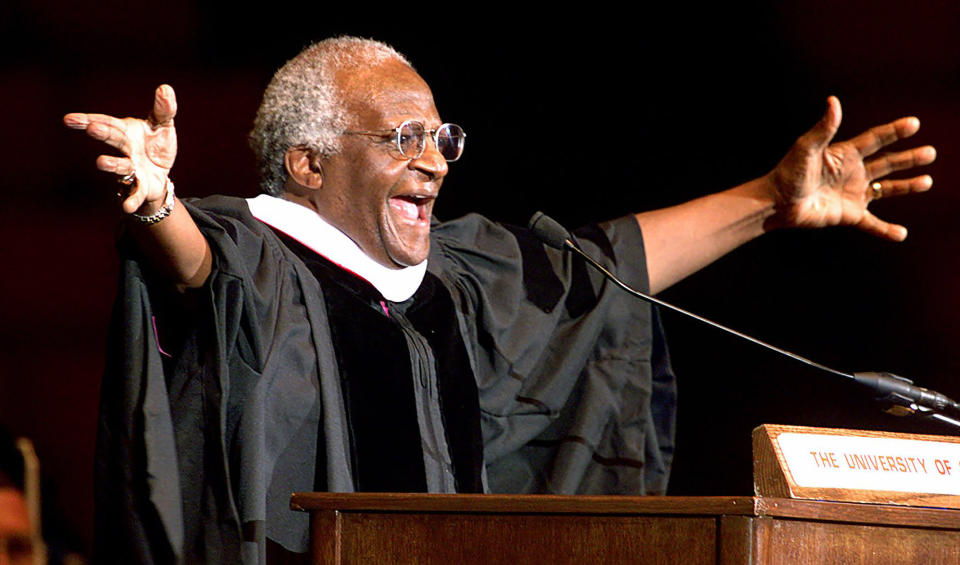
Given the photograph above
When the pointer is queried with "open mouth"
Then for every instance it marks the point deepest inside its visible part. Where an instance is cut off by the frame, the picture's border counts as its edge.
(412, 207)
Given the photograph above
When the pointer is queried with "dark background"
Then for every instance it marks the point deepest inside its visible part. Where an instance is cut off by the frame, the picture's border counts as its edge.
(586, 114)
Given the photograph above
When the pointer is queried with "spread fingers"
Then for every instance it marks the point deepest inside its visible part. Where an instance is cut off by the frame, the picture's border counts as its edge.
(872, 140)
(116, 165)
(110, 130)
(896, 187)
(886, 164)
(874, 225)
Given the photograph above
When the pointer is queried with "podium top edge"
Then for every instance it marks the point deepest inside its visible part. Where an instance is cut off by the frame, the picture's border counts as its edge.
(706, 506)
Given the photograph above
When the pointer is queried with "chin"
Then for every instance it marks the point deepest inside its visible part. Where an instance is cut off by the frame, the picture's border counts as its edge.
(409, 257)
(408, 260)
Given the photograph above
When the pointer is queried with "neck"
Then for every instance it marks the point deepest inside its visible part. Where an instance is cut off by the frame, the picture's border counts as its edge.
(301, 199)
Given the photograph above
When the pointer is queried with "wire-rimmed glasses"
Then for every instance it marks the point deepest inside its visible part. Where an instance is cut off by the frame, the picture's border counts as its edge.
(411, 139)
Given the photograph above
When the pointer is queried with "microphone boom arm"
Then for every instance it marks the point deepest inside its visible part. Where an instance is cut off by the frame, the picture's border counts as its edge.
(899, 393)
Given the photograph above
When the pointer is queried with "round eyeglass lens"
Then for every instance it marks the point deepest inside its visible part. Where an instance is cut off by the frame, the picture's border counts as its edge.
(450, 139)
(410, 139)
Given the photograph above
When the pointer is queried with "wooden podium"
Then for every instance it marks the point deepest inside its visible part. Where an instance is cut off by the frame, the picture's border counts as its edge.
(508, 529)
(425, 528)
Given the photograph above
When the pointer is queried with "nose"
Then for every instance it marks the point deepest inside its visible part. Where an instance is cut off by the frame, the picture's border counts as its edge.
(431, 162)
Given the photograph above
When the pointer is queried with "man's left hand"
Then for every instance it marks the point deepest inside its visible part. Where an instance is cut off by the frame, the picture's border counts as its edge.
(820, 184)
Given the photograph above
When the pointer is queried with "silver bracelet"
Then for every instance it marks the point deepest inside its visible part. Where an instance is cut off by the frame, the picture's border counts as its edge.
(164, 210)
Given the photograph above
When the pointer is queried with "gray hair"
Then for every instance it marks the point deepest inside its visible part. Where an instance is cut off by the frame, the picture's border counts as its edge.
(302, 106)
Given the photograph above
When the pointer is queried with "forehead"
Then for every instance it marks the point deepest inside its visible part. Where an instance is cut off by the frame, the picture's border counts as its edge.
(387, 94)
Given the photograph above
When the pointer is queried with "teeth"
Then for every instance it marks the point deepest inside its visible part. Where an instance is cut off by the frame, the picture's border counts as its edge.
(405, 207)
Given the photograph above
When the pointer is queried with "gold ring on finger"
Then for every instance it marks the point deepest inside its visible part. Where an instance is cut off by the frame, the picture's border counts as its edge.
(877, 190)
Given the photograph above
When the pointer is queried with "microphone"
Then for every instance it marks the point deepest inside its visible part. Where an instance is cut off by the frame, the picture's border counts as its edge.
(899, 393)
(549, 231)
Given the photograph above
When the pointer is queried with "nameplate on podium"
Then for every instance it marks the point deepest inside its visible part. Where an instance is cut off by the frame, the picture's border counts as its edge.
(856, 466)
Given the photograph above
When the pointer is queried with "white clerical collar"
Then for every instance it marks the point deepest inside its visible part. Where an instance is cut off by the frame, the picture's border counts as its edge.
(307, 227)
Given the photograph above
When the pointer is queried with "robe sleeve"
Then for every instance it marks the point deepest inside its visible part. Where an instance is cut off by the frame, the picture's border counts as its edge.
(576, 391)
(210, 412)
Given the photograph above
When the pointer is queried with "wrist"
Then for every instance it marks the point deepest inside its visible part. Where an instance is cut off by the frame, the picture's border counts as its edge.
(152, 212)
(767, 190)
(756, 204)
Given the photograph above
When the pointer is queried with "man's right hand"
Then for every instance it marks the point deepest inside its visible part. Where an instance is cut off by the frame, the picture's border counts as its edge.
(174, 243)
(149, 148)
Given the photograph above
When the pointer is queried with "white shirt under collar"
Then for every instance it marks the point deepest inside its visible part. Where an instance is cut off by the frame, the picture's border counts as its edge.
(307, 227)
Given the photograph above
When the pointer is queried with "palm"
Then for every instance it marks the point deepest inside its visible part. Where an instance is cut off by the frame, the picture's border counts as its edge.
(153, 149)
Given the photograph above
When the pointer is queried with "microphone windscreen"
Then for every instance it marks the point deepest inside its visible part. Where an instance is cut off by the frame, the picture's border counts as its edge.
(548, 230)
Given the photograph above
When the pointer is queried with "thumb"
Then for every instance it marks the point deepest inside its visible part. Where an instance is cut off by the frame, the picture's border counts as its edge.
(164, 106)
(822, 133)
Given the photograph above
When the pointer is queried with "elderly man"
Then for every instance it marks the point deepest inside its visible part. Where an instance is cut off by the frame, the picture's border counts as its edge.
(330, 335)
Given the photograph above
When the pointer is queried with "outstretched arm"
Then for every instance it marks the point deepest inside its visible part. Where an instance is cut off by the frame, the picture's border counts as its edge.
(149, 148)
(817, 184)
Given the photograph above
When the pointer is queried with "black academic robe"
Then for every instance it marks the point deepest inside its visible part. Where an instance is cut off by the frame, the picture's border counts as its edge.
(207, 428)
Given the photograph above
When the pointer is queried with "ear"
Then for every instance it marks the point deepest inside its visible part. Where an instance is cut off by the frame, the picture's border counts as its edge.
(303, 167)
